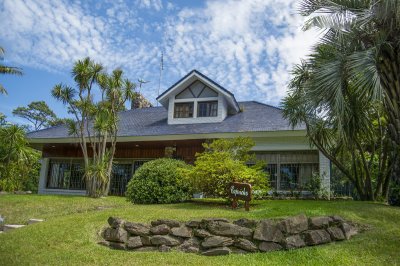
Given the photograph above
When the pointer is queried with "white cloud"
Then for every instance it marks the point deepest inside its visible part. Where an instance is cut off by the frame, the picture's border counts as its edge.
(150, 4)
(247, 46)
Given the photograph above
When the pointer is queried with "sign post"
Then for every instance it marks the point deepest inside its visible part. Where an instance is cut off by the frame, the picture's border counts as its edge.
(240, 191)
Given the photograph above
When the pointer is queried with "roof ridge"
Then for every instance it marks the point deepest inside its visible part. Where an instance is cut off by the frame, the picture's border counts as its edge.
(269, 105)
(47, 128)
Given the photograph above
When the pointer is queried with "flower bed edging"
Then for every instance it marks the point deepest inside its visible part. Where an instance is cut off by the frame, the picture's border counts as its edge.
(219, 236)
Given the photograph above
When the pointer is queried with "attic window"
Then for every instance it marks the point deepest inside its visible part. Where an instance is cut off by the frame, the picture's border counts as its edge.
(183, 110)
(207, 109)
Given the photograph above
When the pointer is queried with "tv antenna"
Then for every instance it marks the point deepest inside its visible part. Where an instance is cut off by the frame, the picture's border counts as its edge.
(142, 81)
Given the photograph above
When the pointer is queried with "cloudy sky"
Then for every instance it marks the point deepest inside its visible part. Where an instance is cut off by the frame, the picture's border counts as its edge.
(246, 46)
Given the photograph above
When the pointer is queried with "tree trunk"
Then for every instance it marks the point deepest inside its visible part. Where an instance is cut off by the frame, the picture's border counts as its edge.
(389, 74)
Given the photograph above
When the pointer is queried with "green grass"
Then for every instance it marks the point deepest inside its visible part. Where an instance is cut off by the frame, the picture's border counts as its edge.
(69, 234)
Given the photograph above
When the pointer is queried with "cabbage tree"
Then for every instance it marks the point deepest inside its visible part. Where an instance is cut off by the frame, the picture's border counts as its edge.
(95, 123)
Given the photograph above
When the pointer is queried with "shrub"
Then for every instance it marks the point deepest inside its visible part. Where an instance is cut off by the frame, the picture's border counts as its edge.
(159, 181)
(314, 185)
(224, 161)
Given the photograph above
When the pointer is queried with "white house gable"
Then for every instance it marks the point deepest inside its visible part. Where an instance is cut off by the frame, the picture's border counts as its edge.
(197, 99)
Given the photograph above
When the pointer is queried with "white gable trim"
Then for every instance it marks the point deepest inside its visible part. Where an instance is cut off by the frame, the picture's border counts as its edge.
(231, 99)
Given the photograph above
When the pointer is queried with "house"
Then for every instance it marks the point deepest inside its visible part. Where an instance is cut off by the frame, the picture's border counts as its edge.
(192, 111)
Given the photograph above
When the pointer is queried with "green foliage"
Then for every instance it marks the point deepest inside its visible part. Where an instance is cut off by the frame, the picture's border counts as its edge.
(37, 113)
(224, 161)
(314, 185)
(95, 123)
(355, 64)
(19, 164)
(159, 181)
(7, 70)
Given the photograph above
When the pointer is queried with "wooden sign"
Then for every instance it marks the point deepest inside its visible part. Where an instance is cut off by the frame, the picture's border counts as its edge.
(240, 191)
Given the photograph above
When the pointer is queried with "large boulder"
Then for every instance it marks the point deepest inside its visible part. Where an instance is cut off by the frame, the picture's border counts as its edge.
(115, 222)
(134, 242)
(245, 245)
(228, 229)
(115, 235)
(190, 246)
(201, 233)
(292, 242)
(217, 241)
(246, 223)
(208, 220)
(164, 248)
(269, 246)
(117, 245)
(217, 251)
(137, 229)
(336, 220)
(194, 223)
(348, 230)
(161, 229)
(170, 223)
(294, 225)
(268, 230)
(181, 231)
(336, 233)
(146, 241)
(321, 222)
(164, 240)
(317, 237)
(114, 245)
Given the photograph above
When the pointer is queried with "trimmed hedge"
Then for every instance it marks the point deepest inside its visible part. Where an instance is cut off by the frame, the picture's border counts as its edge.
(159, 181)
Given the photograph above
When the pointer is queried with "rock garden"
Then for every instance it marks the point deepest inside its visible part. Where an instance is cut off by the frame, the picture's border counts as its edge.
(219, 236)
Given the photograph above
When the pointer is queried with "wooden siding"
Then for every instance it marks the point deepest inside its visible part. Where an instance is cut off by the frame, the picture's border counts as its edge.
(185, 149)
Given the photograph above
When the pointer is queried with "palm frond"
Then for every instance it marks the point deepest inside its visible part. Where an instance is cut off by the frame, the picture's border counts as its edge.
(3, 90)
(10, 70)
(362, 67)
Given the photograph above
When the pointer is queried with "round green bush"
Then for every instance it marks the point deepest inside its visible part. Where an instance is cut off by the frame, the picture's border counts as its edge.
(159, 181)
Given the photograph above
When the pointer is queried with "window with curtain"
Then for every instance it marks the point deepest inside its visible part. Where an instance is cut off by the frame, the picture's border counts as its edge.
(183, 110)
(207, 109)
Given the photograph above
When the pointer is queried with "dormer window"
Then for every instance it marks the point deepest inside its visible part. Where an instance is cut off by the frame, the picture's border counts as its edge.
(207, 109)
(183, 110)
(197, 99)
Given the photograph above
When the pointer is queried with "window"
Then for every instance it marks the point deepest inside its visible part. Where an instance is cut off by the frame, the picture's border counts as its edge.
(289, 176)
(207, 109)
(121, 174)
(65, 174)
(183, 110)
(296, 176)
(272, 171)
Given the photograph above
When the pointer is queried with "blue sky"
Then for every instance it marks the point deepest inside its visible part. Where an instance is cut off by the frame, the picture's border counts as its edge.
(247, 46)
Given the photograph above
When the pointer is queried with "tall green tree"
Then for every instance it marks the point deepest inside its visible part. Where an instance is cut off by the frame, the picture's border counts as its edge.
(37, 113)
(95, 124)
(7, 70)
(356, 142)
(367, 33)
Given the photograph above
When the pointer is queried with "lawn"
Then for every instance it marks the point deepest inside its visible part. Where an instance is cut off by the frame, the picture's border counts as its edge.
(69, 234)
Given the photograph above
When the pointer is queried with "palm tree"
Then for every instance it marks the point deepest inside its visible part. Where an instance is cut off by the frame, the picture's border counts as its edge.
(367, 34)
(7, 70)
(357, 147)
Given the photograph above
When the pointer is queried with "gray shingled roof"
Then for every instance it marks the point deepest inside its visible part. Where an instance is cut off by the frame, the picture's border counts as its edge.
(152, 121)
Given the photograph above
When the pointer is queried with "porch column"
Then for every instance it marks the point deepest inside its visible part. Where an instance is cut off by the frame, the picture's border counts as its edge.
(325, 172)
(43, 175)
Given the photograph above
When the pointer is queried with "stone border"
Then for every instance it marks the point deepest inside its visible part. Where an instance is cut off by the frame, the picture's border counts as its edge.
(219, 236)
